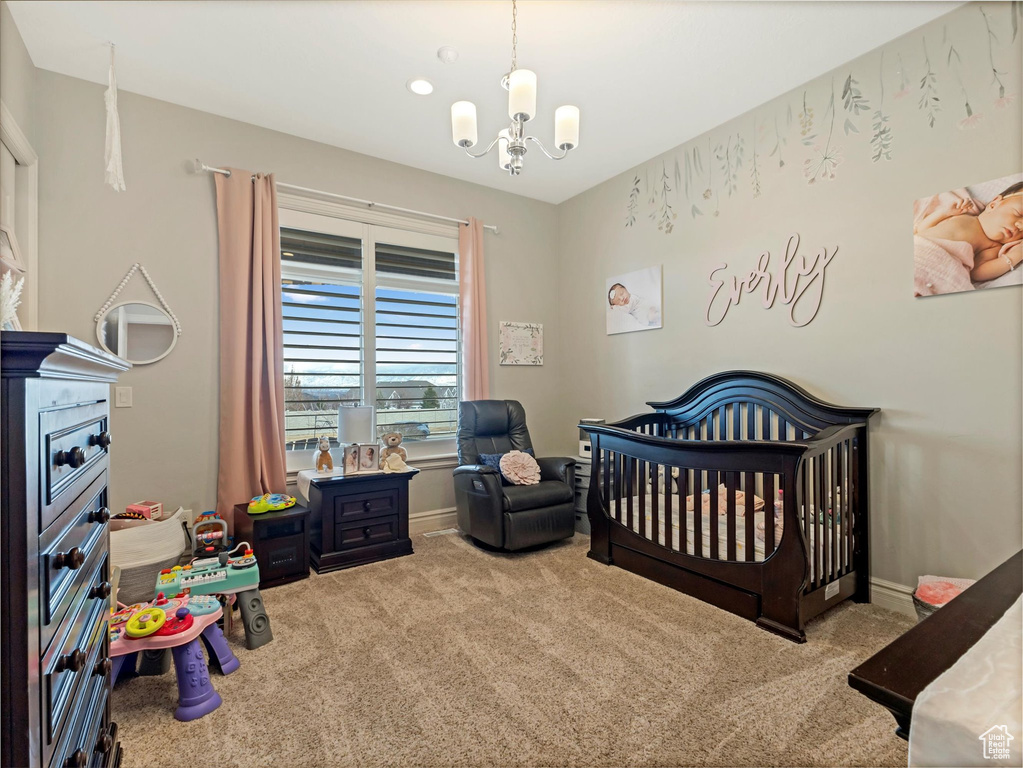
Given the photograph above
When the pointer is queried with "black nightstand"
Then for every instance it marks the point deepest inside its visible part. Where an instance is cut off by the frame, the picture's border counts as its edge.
(359, 519)
(280, 541)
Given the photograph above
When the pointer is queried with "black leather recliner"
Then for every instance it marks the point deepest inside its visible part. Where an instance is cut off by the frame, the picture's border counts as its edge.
(508, 516)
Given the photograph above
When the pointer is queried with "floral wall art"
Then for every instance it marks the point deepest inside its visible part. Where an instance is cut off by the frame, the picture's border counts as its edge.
(521, 343)
(859, 112)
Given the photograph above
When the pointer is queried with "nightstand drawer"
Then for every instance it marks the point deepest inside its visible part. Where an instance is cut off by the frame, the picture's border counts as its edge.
(364, 532)
(357, 506)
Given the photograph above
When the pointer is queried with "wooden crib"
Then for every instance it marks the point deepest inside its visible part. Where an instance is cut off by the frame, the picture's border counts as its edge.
(674, 497)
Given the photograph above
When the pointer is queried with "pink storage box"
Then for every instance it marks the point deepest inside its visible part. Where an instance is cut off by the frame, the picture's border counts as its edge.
(151, 509)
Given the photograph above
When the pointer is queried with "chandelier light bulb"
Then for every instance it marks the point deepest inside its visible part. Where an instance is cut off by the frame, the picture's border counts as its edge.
(566, 127)
(522, 95)
(463, 124)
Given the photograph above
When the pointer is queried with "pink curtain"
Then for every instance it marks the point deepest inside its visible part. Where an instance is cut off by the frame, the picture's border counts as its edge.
(472, 291)
(252, 458)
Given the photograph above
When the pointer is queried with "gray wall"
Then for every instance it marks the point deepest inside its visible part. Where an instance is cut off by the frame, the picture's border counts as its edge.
(90, 235)
(945, 370)
(17, 74)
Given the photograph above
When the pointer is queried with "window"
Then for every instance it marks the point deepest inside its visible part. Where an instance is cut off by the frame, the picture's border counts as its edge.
(336, 276)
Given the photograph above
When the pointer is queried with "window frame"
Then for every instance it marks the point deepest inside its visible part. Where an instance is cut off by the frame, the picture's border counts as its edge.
(321, 215)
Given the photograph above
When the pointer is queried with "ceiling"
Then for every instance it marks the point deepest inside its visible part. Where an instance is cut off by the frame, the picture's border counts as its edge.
(646, 76)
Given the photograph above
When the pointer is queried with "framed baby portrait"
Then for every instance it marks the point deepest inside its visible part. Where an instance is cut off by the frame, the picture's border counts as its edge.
(969, 239)
(632, 302)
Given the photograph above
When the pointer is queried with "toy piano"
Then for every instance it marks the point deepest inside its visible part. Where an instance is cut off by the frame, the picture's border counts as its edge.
(224, 575)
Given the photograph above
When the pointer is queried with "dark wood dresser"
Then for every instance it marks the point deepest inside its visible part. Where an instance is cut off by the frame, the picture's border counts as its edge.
(358, 519)
(54, 580)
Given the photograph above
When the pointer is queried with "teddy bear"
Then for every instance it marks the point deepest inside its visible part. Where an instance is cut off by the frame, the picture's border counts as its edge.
(392, 447)
(323, 462)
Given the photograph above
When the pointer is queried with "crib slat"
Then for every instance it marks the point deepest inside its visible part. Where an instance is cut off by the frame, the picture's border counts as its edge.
(722, 430)
(765, 423)
(655, 528)
(783, 429)
(642, 491)
(683, 519)
(818, 515)
(697, 512)
(667, 507)
(769, 500)
(627, 467)
(846, 499)
(731, 481)
(805, 510)
(751, 421)
(712, 516)
(606, 482)
(835, 453)
(751, 518)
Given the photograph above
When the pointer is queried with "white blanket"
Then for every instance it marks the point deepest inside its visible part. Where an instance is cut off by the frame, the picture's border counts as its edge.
(975, 707)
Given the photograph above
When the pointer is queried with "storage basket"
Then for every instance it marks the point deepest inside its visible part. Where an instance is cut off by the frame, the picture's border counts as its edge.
(142, 551)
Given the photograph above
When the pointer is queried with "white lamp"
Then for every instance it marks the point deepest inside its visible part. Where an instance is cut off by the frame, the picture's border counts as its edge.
(566, 127)
(521, 95)
(463, 124)
(355, 424)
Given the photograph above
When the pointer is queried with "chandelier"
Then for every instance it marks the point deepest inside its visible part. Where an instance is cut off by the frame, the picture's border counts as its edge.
(511, 142)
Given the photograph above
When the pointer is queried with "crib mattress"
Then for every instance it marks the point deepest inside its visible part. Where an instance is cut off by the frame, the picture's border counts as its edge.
(722, 525)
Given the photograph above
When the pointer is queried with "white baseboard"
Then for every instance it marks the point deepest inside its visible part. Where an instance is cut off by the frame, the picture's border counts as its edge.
(432, 520)
(894, 597)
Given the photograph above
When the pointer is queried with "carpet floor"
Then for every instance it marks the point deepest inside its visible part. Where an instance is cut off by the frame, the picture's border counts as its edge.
(459, 657)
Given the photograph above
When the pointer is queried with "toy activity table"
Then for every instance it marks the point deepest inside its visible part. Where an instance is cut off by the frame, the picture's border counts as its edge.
(224, 575)
(176, 623)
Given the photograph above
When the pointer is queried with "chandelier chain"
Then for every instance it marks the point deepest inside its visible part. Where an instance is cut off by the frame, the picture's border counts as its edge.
(515, 36)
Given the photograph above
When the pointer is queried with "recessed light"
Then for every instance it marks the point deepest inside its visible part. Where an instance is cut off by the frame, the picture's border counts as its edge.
(447, 54)
(419, 86)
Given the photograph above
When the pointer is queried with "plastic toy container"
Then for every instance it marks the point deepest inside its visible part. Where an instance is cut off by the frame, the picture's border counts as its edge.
(932, 592)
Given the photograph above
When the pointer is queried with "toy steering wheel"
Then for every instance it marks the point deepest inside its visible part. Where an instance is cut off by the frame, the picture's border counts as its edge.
(145, 622)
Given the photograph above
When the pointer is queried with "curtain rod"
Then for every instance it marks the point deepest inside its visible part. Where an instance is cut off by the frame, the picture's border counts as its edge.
(201, 166)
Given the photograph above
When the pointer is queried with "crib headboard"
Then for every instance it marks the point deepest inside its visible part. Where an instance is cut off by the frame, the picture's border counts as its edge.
(750, 405)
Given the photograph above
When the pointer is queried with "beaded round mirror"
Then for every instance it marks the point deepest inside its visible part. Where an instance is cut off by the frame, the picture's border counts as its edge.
(137, 331)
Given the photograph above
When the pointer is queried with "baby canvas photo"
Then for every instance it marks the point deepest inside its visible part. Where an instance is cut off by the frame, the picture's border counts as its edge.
(632, 302)
(969, 238)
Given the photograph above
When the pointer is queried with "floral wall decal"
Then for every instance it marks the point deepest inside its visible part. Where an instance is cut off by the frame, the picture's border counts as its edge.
(929, 102)
(853, 103)
(821, 166)
(630, 216)
(881, 139)
(976, 52)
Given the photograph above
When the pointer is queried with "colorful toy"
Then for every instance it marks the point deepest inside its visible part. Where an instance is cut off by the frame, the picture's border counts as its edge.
(210, 534)
(223, 575)
(152, 510)
(270, 502)
(323, 461)
(180, 631)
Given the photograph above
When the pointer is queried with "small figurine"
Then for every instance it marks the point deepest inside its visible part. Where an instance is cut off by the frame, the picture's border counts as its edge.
(323, 462)
(392, 447)
(394, 463)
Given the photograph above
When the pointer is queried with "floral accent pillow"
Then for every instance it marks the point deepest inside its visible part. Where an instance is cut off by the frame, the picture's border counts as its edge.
(520, 468)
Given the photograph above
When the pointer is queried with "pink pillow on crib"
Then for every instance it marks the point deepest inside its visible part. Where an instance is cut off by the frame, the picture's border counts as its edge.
(520, 468)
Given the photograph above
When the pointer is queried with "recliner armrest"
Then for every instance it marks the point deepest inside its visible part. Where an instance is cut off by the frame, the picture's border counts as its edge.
(475, 469)
(557, 468)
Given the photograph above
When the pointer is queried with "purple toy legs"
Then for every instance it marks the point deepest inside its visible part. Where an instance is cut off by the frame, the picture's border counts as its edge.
(196, 696)
(220, 653)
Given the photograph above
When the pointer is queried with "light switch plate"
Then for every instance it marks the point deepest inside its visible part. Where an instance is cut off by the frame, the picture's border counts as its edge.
(122, 397)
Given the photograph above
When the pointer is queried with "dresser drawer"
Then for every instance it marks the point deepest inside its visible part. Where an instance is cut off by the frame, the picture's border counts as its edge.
(68, 552)
(358, 505)
(364, 532)
(85, 741)
(74, 443)
(72, 666)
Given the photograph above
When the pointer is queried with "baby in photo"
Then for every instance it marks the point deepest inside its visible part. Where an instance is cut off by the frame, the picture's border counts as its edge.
(645, 311)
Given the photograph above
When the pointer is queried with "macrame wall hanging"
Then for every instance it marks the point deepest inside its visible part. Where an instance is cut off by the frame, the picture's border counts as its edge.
(113, 170)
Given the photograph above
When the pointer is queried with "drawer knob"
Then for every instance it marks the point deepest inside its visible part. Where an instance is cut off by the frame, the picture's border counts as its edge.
(101, 590)
(366, 532)
(74, 458)
(100, 515)
(72, 662)
(103, 440)
(366, 505)
(104, 743)
(74, 559)
(78, 759)
(103, 667)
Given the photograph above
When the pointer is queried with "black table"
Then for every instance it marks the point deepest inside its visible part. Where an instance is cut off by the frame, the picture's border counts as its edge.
(280, 541)
(895, 675)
